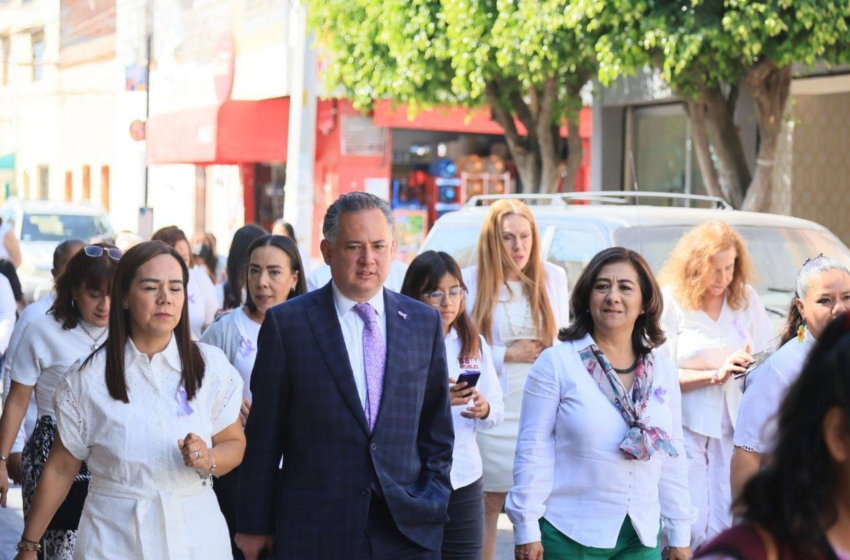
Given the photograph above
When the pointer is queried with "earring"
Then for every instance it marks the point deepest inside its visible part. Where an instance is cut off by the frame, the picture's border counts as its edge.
(801, 333)
(292, 290)
(125, 306)
(73, 304)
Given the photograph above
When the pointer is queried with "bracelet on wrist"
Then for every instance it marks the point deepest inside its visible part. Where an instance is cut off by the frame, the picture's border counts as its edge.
(27, 546)
(715, 378)
(212, 463)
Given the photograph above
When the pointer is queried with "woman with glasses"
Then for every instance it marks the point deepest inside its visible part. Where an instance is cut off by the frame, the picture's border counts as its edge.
(201, 290)
(275, 274)
(155, 416)
(821, 293)
(518, 302)
(714, 322)
(74, 327)
(435, 278)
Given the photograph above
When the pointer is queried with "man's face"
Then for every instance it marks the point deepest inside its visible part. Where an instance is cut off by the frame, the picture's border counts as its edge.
(360, 259)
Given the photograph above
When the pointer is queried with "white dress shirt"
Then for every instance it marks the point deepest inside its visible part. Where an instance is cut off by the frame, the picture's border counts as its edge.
(352, 332)
(30, 312)
(766, 388)
(143, 502)
(696, 341)
(569, 467)
(466, 458)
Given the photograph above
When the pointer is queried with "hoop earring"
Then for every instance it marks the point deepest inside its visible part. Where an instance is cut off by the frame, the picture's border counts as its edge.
(125, 306)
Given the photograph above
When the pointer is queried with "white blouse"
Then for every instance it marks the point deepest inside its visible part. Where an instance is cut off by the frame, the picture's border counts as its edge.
(696, 341)
(143, 502)
(556, 290)
(569, 467)
(246, 354)
(45, 353)
(466, 458)
(203, 302)
(766, 388)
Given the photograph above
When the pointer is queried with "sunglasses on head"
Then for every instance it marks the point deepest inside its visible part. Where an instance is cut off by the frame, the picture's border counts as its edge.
(96, 251)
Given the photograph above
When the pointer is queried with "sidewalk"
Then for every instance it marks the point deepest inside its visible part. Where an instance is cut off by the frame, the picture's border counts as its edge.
(11, 524)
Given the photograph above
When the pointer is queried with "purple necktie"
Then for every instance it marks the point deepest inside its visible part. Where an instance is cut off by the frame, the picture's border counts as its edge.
(374, 358)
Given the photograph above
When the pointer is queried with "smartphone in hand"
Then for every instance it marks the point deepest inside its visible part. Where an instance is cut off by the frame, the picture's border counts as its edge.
(469, 377)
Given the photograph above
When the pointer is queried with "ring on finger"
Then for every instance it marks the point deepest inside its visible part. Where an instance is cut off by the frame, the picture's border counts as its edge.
(197, 454)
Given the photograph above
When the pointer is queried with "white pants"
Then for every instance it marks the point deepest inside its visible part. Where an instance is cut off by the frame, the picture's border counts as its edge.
(709, 461)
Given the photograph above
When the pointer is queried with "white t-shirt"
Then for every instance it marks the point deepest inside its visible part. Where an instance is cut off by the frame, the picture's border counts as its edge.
(246, 355)
(202, 302)
(766, 389)
(46, 352)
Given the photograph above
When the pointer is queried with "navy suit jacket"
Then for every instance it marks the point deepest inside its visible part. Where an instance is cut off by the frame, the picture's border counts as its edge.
(306, 409)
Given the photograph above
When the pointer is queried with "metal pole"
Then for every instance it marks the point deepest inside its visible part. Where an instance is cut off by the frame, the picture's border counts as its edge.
(148, 43)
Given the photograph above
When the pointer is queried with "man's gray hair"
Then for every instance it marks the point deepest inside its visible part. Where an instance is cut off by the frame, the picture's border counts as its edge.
(352, 203)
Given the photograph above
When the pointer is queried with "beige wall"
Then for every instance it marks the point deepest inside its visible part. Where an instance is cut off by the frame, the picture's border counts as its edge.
(812, 172)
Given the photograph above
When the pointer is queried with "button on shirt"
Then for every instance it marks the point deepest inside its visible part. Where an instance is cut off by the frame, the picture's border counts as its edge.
(569, 467)
(352, 332)
(466, 457)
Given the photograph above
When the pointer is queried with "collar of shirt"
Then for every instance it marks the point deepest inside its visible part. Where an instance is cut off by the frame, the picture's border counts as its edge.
(344, 305)
(171, 355)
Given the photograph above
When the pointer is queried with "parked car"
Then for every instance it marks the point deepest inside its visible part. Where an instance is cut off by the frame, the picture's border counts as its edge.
(40, 226)
(575, 226)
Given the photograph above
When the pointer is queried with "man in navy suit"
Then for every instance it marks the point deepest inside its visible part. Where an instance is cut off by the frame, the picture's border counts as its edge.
(351, 389)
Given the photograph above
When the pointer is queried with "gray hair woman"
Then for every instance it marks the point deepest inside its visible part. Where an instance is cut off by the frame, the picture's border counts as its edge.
(821, 293)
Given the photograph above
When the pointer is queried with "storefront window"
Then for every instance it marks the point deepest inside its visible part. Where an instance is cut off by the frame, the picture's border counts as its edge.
(663, 153)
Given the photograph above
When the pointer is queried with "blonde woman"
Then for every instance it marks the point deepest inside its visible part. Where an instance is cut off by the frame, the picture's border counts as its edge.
(518, 302)
(714, 323)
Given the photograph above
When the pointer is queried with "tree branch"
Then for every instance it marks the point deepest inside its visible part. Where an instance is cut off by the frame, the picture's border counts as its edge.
(696, 112)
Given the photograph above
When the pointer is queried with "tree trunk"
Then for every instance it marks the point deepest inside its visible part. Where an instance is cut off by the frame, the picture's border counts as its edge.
(572, 116)
(771, 87)
(696, 113)
(548, 138)
(733, 173)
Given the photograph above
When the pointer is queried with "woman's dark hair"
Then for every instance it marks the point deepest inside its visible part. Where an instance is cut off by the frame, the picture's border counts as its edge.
(647, 328)
(237, 259)
(289, 247)
(290, 231)
(95, 273)
(423, 275)
(171, 236)
(119, 323)
(794, 496)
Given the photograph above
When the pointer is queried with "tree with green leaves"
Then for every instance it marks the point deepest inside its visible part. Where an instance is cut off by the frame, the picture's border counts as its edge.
(706, 51)
(518, 57)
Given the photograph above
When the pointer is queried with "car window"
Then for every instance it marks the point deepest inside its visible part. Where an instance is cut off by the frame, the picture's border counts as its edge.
(57, 227)
(461, 242)
(777, 254)
(572, 249)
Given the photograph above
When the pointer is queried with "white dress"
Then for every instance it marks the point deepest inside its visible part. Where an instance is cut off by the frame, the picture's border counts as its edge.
(143, 502)
(766, 389)
(498, 444)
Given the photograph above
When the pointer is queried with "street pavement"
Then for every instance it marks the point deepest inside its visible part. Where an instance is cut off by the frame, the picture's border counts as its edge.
(12, 525)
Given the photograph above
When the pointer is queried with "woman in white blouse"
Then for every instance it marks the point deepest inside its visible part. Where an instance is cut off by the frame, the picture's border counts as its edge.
(435, 278)
(275, 274)
(518, 302)
(821, 293)
(154, 415)
(73, 328)
(201, 291)
(600, 462)
(714, 323)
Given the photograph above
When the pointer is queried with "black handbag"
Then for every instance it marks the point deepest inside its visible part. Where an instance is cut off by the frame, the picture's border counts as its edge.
(68, 515)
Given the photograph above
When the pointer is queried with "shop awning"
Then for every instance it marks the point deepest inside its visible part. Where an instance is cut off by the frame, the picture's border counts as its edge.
(231, 133)
(457, 119)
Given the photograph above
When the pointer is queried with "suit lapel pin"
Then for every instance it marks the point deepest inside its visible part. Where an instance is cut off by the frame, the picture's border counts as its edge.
(403, 315)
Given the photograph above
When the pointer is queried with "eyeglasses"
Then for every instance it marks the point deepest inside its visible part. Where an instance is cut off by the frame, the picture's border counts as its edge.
(436, 299)
(96, 251)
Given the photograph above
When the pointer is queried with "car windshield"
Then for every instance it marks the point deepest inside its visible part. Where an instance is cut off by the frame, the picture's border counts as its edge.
(460, 242)
(777, 254)
(57, 227)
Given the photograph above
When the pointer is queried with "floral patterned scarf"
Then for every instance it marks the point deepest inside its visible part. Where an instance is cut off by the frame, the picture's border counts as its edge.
(642, 440)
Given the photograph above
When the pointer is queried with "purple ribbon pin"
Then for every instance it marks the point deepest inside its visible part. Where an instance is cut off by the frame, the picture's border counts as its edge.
(191, 298)
(247, 346)
(660, 393)
(739, 328)
(183, 402)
